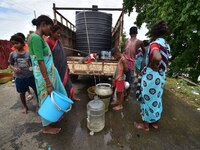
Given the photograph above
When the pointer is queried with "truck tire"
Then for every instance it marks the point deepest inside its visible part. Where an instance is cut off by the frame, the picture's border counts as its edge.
(73, 77)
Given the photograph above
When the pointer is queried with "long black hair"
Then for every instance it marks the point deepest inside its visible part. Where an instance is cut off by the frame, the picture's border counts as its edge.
(42, 18)
(159, 29)
(55, 28)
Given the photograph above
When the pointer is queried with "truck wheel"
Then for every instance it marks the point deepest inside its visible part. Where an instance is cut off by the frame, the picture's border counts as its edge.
(73, 77)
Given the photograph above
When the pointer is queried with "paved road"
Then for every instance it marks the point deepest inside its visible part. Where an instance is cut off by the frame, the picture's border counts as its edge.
(179, 126)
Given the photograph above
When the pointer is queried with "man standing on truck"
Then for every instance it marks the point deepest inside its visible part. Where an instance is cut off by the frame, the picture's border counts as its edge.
(131, 49)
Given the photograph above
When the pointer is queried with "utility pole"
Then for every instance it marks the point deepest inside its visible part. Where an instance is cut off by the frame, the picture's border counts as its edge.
(35, 14)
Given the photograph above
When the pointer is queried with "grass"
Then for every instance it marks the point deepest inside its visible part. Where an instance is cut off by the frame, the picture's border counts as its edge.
(8, 70)
(5, 79)
(184, 91)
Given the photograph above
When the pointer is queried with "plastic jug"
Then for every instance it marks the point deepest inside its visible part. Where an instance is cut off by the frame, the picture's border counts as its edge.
(95, 115)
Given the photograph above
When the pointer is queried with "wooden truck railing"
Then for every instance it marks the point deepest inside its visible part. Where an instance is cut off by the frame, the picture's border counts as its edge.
(101, 68)
(68, 36)
(118, 31)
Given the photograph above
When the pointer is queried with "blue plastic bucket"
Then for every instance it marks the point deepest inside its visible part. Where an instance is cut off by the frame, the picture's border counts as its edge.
(54, 106)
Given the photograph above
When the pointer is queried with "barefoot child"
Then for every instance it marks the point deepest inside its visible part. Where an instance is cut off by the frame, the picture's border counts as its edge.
(21, 64)
(29, 96)
(119, 78)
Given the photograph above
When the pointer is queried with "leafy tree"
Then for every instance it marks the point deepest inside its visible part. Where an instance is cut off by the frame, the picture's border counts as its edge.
(183, 18)
(124, 39)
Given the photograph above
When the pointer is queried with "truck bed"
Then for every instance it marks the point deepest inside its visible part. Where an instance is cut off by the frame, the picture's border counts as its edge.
(100, 67)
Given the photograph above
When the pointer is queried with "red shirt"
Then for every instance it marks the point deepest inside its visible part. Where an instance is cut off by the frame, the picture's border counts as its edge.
(50, 42)
(153, 47)
(25, 48)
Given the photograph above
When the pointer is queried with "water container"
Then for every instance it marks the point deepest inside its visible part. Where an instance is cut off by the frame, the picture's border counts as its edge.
(104, 91)
(95, 115)
(54, 106)
(106, 101)
(95, 27)
(106, 54)
(127, 85)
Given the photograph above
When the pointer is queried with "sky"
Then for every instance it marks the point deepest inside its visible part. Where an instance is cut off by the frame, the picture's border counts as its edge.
(16, 15)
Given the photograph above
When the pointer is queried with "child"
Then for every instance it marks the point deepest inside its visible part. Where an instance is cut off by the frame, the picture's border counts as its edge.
(24, 38)
(138, 63)
(29, 96)
(21, 64)
(119, 78)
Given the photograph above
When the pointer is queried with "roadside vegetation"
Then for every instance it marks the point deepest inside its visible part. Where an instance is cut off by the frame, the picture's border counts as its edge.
(184, 91)
(183, 19)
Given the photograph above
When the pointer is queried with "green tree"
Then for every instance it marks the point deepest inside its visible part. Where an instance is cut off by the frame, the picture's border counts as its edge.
(124, 39)
(183, 18)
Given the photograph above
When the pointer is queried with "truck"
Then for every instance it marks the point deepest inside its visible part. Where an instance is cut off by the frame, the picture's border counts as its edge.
(100, 67)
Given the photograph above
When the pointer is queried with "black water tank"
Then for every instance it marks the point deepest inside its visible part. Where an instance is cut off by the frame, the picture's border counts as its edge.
(99, 26)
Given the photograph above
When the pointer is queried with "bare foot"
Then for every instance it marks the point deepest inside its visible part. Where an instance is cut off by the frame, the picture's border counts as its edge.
(51, 130)
(118, 107)
(114, 103)
(141, 126)
(75, 99)
(126, 98)
(154, 125)
(25, 111)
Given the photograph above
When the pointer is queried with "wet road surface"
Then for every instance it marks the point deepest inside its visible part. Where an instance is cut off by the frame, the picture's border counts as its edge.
(179, 127)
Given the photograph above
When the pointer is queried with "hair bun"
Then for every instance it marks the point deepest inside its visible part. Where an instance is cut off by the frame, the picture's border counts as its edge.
(34, 22)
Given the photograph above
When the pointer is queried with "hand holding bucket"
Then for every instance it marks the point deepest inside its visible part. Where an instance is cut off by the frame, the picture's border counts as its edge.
(55, 106)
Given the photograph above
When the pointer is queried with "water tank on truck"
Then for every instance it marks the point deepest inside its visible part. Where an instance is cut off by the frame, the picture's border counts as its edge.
(95, 28)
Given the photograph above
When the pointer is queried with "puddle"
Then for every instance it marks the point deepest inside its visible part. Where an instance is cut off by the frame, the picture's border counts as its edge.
(33, 127)
(108, 137)
(77, 133)
(122, 115)
(128, 136)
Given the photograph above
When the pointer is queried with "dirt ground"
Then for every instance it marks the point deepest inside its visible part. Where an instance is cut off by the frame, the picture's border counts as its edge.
(179, 126)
